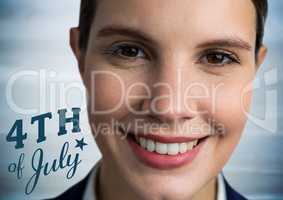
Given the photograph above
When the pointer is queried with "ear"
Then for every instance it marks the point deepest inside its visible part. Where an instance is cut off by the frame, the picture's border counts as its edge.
(261, 56)
(74, 43)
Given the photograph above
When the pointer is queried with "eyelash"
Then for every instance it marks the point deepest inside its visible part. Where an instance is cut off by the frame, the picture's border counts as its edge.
(230, 57)
(114, 51)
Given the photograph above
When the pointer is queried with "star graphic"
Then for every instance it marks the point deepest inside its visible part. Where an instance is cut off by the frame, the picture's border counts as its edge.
(80, 144)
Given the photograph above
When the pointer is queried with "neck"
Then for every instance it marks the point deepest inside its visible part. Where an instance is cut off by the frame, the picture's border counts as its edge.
(109, 187)
(208, 192)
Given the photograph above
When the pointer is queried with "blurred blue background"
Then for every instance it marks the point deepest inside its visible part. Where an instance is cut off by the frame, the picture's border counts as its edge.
(34, 37)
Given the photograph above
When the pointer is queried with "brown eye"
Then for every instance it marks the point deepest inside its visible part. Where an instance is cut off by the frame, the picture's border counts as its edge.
(127, 51)
(218, 59)
(215, 58)
(126, 55)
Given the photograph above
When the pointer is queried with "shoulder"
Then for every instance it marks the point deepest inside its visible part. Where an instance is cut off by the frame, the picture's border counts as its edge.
(75, 192)
(231, 193)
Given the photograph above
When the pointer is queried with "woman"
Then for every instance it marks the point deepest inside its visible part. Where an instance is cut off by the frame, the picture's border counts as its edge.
(184, 70)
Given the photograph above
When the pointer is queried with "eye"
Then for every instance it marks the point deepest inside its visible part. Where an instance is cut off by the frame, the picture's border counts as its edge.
(127, 51)
(219, 58)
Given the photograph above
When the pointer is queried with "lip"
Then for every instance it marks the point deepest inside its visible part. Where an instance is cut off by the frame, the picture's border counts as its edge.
(164, 162)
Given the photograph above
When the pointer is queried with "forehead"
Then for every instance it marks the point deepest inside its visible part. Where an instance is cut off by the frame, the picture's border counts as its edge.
(182, 19)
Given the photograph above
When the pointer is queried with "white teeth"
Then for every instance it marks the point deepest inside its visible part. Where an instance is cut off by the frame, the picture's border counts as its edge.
(190, 145)
(161, 148)
(173, 149)
(183, 147)
(150, 145)
(166, 149)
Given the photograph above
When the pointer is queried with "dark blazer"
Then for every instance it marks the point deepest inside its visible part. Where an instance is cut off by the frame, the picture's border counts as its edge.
(231, 193)
(76, 192)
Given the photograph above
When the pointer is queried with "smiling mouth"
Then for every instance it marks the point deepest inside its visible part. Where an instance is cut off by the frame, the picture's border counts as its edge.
(164, 152)
(165, 145)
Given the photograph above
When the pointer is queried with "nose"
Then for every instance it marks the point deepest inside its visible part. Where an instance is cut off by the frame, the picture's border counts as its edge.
(171, 98)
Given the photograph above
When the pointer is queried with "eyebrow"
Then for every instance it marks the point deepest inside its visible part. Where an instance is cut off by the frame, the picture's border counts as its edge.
(234, 42)
(113, 30)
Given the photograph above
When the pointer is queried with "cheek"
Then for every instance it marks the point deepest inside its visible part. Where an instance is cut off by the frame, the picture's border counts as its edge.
(232, 109)
(104, 97)
(229, 105)
(228, 110)
(107, 88)
(105, 92)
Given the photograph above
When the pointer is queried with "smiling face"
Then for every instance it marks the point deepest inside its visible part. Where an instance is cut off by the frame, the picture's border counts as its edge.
(184, 68)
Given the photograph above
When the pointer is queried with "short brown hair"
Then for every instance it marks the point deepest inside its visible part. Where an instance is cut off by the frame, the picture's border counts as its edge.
(88, 8)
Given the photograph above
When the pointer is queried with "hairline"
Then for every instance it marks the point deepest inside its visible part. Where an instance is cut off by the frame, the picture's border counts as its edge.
(260, 15)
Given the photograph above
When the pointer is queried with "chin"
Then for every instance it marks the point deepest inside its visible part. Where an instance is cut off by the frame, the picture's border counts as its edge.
(167, 187)
(182, 182)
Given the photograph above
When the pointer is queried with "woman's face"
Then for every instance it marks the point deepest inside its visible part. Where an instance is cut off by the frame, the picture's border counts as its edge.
(170, 72)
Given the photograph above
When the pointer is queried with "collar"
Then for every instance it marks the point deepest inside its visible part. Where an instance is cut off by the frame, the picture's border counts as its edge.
(221, 190)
